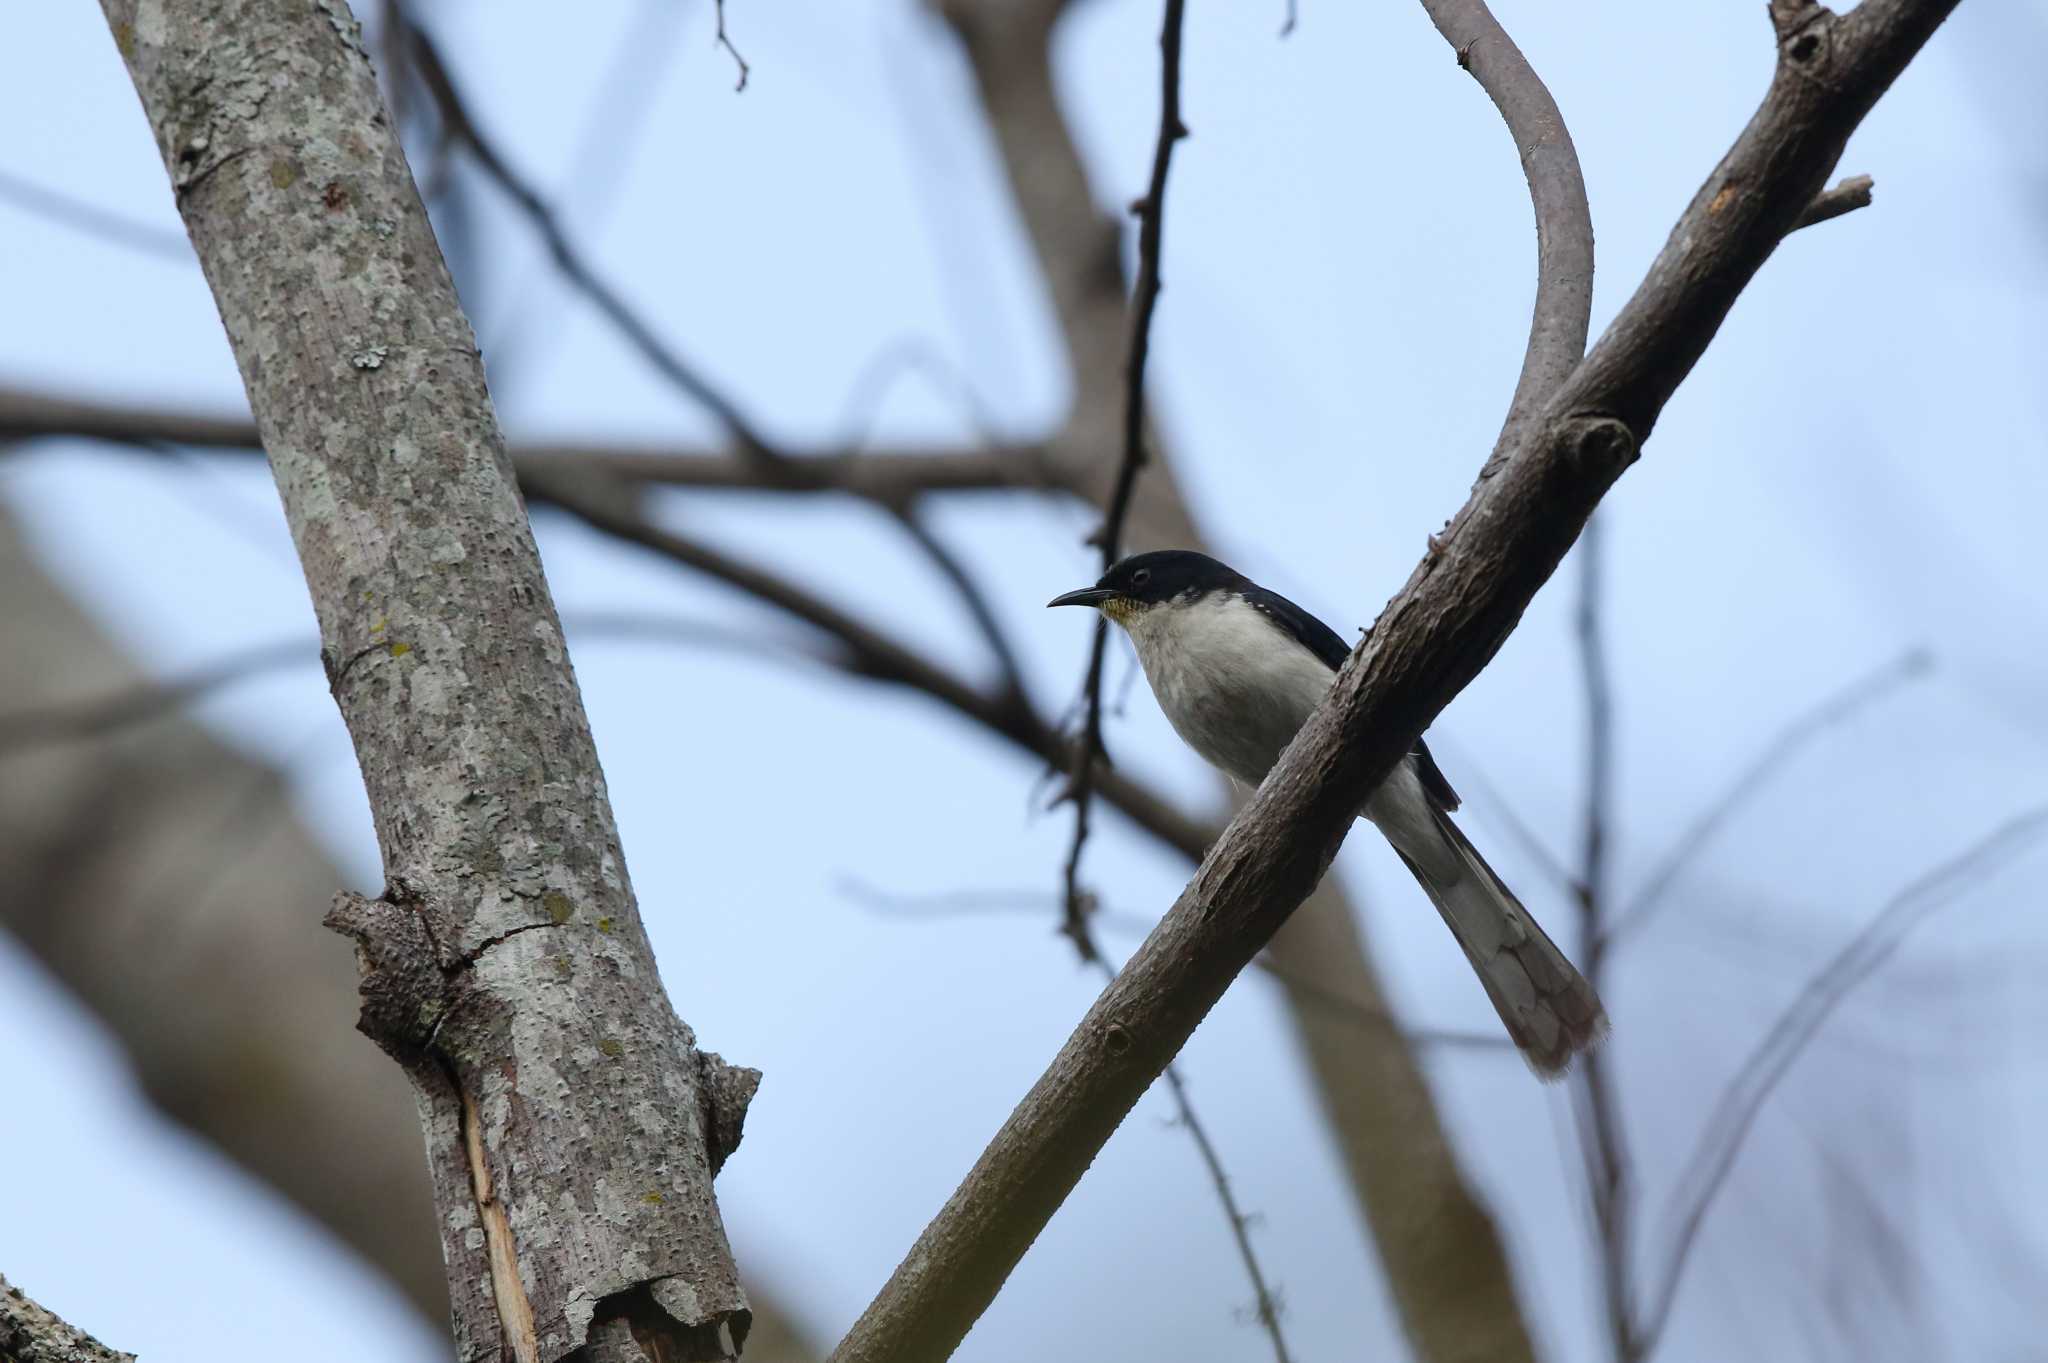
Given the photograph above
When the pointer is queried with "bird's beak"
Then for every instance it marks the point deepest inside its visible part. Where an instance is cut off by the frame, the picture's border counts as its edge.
(1087, 596)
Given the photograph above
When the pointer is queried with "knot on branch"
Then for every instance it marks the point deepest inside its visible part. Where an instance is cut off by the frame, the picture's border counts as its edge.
(726, 1090)
(1803, 27)
(1601, 444)
(403, 988)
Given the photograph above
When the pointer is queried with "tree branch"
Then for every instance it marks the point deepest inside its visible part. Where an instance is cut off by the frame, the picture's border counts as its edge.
(886, 476)
(871, 653)
(1265, 1301)
(638, 332)
(1602, 1136)
(1435, 635)
(1557, 192)
(1848, 196)
(506, 966)
(1108, 537)
(32, 1334)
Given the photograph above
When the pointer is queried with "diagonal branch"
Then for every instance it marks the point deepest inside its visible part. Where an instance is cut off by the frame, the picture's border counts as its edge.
(33, 1334)
(1265, 1301)
(1603, 1139)
(887, 476)
(1435, 635)
(870, 652)
(683, 374)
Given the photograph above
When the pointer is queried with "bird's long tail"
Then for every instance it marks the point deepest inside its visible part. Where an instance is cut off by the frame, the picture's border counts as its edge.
(1547, 1005)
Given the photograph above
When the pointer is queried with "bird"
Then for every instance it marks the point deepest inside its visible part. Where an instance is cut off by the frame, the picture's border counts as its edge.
(1238, 669)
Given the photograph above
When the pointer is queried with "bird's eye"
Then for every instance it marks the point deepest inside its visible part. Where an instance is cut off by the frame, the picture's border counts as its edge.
(1141, 577)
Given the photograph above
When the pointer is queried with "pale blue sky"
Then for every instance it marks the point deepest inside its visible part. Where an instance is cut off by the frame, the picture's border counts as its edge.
(1856, 468)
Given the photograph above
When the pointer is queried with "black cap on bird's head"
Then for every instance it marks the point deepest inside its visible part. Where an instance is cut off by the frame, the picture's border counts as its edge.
(1144, 580)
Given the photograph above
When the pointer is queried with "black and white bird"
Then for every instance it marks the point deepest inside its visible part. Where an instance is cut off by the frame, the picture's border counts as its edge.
(1238, 669)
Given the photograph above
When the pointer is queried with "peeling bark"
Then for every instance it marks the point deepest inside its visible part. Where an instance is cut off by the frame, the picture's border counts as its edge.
(505, 965)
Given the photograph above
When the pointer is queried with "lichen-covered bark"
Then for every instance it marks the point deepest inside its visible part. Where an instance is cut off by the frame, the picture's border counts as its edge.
(565, 1105)
(31, 1334)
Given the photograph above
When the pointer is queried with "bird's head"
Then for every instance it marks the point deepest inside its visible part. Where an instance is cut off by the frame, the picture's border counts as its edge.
(1144, 582)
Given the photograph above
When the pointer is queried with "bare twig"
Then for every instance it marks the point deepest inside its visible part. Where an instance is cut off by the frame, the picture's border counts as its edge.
(909, 512)
(32, 1334)
(637, 331)
(1265, 1301)
(618, 116)
(871, 653)
(1778, 753)
(887, 476)
(726, 43)
(1443, 626)
(1722, 1137)
(1602, 1136)
(949, 566)
(1849, 195)
(1151, 212)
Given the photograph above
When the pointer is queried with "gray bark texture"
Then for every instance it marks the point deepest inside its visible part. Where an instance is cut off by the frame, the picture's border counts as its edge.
(569, 1117)
(31, 1334)
(233, 1008)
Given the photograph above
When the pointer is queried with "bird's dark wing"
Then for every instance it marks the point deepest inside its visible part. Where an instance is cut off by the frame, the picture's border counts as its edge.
(1311, 633)
(1433, 779)
(1319, 639)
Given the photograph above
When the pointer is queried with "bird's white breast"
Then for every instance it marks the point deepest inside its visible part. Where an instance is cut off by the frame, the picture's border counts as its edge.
(1234, 685)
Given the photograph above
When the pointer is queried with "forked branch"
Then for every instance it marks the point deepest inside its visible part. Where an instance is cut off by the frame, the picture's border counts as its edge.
(1445, 624)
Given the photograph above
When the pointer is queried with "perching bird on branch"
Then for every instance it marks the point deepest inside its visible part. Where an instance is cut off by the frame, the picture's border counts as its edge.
(1238, 669)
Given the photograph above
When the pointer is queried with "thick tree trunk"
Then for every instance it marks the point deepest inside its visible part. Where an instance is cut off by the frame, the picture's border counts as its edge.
(236, 1016)
(572, 1125)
